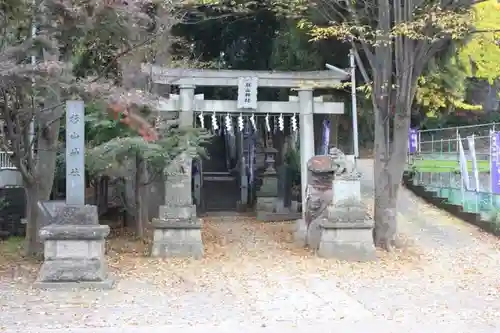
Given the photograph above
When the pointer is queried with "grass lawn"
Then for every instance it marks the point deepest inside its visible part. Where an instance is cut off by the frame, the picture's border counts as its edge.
(431, 165)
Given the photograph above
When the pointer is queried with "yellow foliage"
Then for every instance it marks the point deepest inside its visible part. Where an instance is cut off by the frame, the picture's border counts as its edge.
(433, 94)
(430, 23)
(443, 23)
(484, 48)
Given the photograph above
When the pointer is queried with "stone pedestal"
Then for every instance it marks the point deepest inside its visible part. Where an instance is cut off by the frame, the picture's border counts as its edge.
(269, 206)
(266, 204)
(350, 241)
(177, 233)
(346, 187)
(74, 250)
(336, 222)
(347, 231)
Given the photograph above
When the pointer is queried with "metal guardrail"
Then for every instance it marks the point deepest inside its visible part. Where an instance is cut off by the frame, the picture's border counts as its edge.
(473, 201)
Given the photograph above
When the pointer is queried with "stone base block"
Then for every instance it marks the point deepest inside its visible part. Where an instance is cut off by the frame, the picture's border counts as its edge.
(184, 212)
(345, 188)
(74, 233)
(100, 285)
(296, 206)
(242, 207)
(350, 241)
(180, 239)
(266, 204)
(73, 254)
(72, 270)
(277, 217)
(74, 249)
(83, 215)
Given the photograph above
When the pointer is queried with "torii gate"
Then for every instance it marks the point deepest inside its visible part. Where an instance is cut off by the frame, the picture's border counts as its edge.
(305, 105)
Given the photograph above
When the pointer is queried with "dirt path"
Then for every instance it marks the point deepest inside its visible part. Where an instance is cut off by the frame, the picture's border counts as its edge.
(458, 283)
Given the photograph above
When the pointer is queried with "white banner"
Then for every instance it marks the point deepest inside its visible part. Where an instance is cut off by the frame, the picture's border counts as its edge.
(472, 154)
(464, 172)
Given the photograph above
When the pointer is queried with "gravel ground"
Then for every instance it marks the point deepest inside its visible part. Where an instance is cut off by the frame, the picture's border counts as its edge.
(251, 275)
(456, 283)
(254, 279)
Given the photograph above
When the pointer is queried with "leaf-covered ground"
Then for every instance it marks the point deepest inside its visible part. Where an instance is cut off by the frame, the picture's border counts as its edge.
(253, 278)
(251, 273)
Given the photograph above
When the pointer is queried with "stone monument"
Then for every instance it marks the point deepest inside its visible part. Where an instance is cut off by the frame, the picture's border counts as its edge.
(74, 242)
(336, 222)
(177, 231)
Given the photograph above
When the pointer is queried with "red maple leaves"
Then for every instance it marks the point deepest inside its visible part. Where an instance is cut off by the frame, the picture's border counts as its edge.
(134, 121)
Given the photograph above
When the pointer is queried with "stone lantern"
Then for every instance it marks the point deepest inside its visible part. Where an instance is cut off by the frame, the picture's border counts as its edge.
(268, 192)
(270, 160)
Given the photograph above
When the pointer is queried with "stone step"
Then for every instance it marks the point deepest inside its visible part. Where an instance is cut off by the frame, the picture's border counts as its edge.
(229, 216)
(218, 176)
(220, 192)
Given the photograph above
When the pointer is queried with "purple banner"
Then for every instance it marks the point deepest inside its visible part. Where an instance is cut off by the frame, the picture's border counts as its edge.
(412, 141)
(495, 162)
(326, 137)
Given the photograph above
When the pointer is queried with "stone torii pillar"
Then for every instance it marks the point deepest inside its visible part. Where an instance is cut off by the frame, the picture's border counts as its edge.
(186, 98)
(306, 137)
(186, 119)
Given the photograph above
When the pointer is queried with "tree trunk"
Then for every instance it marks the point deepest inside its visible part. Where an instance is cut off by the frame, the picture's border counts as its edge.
(386, 195)
(41, 189)
(385, 199)
(38, 171)
(46, 160)
(388, 172)
(33, 246)
(140, 194)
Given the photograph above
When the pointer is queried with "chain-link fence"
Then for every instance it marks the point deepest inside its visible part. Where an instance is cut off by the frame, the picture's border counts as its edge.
(442, 143)
(437, 167)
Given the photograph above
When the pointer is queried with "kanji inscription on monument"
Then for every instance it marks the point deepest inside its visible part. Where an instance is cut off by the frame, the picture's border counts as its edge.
(75, 157)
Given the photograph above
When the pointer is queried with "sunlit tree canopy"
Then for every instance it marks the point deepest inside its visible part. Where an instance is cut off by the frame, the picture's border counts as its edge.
(481, 56)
